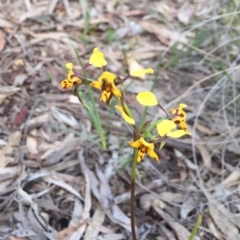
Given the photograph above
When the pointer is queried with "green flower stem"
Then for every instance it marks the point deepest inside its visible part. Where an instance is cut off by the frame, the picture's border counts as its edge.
(196, 226)
(133, 177)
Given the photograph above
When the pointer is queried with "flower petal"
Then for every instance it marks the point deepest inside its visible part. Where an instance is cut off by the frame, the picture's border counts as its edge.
(152, 154)
(181, 106)
(96, 84)
(115, 91)
(147, 98)
(136, 144)
(66, 84)
(140, 155)
(141, 72)
(179, 111)
(145, 143)
(165, 127)
(177, 134)
(105, 96)
(69, 66)
(97, 58)
(107, 76)
(183, 125)
(125, 116)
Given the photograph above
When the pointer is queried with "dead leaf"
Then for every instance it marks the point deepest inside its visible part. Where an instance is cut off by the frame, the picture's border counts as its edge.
(234, 147)
(204, 129)
(6, 91)
(187, 206)
(233, 178)
(65, 118)
(20, 79)
(185, 13)
(112, 236)
(167, 232)
(102, 192)
(222, 218)
(98, 218)
(171, 197)
(214, 230)
(149, 200)
(181, 232)
(206, 157)
(32, 142)
(165, 35)
(13, 141)
(2, 40)
(16, 238)
(20, 117)
(9, 89)
(3, 97)
(22, 233)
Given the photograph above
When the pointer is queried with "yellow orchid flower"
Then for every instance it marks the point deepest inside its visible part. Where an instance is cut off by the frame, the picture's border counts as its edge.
(143, 148)
(166, 128)
(106, 83)
(125, 116)
(147, 98)
(97, 59)
(71, 78)
(141, 72)
(180, 116)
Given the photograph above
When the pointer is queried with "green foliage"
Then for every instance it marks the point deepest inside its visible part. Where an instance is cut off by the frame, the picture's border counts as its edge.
(110, 34)
(196, 226)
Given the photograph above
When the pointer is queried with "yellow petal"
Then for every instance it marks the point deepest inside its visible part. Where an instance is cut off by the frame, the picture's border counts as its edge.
(135, 144)
(96, 84)
(179, 110)
(152, 154)
(141, 72)
(105, 96)
(183, 125)
(165, 127)
(115, 91)
(145, 143)
(182, 105)
(97, 58)
(177, 134)
(140, 156)
(75, 80)
(125, 116)
(69, 66)
(147, 98)
(107, 76)
(66, 84)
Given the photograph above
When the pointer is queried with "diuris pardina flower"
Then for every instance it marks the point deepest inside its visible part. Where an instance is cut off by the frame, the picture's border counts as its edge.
(71, 78)
(144, 147)
(168, 128)
(106, 83)
(180, 116)
(97, 59)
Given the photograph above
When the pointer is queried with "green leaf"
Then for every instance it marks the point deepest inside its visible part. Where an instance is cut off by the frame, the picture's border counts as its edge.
(164, 141)
(196, 226)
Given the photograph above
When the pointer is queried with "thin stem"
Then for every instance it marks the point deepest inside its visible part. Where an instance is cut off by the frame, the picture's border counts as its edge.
(196, 226)
(133, 177)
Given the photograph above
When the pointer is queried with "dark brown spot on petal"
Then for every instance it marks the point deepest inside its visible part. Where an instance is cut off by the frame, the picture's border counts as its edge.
(177, 121)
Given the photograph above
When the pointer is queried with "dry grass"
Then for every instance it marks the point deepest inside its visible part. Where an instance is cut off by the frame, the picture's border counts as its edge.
(56, 182)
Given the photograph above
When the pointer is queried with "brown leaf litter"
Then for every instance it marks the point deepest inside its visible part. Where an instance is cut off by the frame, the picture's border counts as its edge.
(56, 183)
